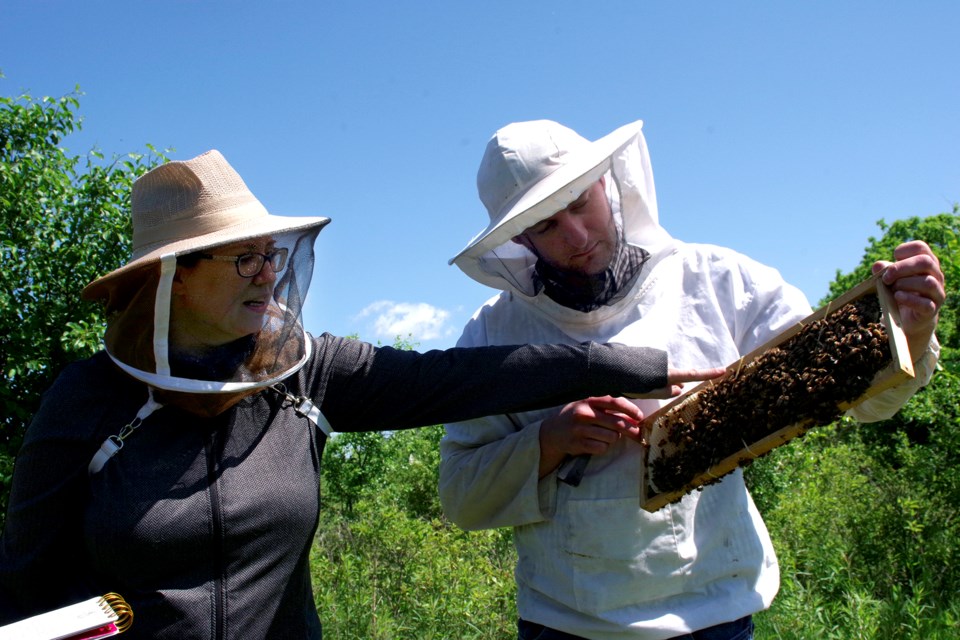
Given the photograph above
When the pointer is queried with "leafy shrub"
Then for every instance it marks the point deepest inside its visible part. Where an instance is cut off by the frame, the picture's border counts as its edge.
(865, 518)
(385, 574)
(63, 222)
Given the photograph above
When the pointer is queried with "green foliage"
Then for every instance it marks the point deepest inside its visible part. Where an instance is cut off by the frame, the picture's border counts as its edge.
(414, 469)
(866, 517)
(353, 466)
(63, 222)
(867, 549)
(399, 467)
(385, 574)
(386, 564)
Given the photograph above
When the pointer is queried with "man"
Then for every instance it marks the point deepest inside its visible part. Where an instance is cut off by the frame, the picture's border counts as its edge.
(575, 245)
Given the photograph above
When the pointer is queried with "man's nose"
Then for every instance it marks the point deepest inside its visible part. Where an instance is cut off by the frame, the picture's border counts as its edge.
(574, 232)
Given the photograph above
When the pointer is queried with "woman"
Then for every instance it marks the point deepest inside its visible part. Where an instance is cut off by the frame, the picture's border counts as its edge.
(180, 466)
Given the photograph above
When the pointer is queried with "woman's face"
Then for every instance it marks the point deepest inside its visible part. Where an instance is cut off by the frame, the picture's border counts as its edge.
(212, 304)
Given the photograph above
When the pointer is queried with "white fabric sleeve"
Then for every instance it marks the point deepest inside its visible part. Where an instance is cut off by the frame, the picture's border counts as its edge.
(488, 473)
(489, 466)
(884, 406)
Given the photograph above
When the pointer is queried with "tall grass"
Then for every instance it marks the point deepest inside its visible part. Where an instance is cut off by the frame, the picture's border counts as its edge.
(385, 576)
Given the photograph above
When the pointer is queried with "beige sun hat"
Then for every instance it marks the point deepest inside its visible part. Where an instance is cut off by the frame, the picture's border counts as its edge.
(530, 170)
(185, 206)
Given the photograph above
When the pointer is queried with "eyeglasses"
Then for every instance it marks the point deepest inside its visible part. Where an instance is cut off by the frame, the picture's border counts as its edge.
(251, 264)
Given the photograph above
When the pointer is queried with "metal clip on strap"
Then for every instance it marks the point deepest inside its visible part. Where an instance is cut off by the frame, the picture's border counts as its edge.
(113, 444)
(304, 408)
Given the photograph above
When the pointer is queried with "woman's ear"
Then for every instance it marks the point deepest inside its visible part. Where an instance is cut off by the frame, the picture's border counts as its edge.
(177, 284)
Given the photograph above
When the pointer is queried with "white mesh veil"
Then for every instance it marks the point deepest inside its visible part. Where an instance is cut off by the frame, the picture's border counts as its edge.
(557, 178)
(513, 265)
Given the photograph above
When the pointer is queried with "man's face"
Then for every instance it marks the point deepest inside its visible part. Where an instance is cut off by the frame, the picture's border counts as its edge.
(581, 238)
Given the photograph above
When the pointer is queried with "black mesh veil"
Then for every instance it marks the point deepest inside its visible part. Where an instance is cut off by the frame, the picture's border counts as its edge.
(192, 323)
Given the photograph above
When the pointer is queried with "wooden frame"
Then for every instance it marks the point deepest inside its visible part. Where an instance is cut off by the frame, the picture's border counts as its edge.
(899, 369)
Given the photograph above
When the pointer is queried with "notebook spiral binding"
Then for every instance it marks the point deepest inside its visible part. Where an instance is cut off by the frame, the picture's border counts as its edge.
(114, 602)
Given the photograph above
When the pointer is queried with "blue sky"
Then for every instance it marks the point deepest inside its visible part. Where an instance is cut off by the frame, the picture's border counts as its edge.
(783, 130)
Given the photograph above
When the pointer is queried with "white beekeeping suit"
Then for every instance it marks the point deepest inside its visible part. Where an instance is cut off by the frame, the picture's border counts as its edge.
(591, 561)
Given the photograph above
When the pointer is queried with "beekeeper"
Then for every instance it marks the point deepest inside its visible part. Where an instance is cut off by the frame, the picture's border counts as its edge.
(574, 244)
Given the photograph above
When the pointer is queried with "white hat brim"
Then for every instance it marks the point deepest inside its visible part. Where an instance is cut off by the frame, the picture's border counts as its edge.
(552, 193)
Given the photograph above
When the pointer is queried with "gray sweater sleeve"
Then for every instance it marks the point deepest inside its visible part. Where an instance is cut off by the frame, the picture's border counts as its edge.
(365, 388)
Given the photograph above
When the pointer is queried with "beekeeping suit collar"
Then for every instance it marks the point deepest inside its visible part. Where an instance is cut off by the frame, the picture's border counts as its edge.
(531, 170)
(188, 211)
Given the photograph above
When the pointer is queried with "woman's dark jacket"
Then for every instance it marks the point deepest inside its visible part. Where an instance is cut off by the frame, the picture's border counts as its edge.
(204, 525)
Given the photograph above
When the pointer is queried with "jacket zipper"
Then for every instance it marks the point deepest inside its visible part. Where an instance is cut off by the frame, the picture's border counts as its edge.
(219, 605)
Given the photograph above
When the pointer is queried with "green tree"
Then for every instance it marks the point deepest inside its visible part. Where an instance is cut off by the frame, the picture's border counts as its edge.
(353, 468)
(400, 467)
(866, 517)
(413, 464)
(63, 222)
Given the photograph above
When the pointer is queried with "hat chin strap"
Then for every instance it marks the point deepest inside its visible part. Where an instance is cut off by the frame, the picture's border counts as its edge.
(161, 314)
